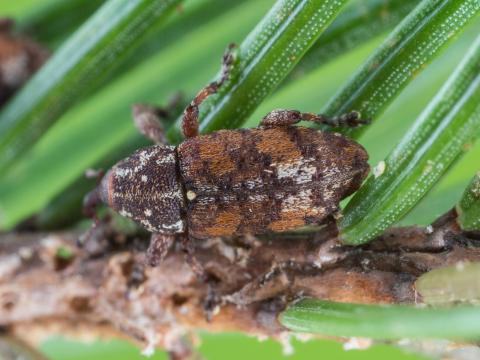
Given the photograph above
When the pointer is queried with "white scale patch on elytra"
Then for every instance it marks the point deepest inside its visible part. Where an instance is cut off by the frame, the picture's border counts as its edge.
(254, 183)
(328, 195)
(250, 184)
(229, 198)
(204, 200)
(207, 188)
(258, 198)
(301, 171)
(302, 201)
(332, 175)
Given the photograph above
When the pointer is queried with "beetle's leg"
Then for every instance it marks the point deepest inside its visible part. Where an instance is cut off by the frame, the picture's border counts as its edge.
(148, 119)
(351, 119)
(282, 117)
(190, 115)
(212, 301)
(158, 248)
(188, 246)
(94, 240)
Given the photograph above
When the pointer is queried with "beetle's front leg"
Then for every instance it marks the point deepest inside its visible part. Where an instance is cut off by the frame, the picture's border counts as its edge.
(159, 246)
(148, 119)
(188, 245)
(190, 115)
(212, 299)
(281, 117)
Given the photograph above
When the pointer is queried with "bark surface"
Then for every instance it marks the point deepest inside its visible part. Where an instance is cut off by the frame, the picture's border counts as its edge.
(48, 285)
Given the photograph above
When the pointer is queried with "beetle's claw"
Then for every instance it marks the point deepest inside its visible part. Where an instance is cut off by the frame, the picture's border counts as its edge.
(353, 119)
(212, 302)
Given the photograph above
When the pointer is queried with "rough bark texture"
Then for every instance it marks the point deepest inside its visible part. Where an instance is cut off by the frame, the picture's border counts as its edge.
(48, 285)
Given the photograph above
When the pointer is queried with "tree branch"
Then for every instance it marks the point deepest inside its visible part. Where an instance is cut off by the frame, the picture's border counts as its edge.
(49, 285)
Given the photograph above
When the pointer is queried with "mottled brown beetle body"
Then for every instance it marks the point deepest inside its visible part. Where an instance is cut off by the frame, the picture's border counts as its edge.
(266, 179)
(235, 182)
(276, 177)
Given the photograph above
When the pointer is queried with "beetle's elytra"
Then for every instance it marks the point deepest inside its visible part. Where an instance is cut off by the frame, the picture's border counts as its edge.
(276, 177)
(266, 179)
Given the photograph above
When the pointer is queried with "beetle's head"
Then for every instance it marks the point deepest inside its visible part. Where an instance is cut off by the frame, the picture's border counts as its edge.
(145, 188)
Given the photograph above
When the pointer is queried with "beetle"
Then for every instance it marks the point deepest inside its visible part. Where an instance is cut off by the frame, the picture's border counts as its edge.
(275, 177)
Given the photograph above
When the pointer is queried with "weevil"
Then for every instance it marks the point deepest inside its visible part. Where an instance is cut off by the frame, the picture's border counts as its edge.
(275, 177)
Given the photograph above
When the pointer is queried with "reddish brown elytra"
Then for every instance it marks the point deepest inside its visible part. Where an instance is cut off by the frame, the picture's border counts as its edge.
(275, 177)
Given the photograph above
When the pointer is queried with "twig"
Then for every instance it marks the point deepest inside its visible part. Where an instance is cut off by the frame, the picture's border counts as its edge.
(48, 285)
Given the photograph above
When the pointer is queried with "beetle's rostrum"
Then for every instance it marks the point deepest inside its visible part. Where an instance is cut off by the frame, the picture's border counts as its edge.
(276, 177)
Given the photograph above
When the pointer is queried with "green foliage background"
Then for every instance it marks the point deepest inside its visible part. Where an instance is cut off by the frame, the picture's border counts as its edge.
(185, 58)
(222, 346)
